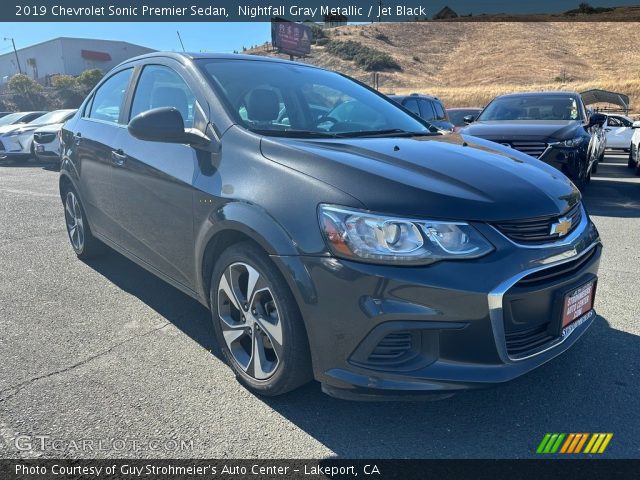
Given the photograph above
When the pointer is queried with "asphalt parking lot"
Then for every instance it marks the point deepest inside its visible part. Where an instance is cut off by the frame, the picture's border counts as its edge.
(105, 350)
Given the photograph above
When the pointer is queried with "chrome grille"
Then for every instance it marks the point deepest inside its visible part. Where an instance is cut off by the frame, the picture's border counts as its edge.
(535, 149)
(538, 230)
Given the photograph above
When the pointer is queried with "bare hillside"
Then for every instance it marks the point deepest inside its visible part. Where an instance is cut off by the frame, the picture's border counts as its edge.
(467, 63)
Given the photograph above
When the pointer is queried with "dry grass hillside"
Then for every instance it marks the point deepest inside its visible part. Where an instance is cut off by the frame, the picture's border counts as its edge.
(468, 63)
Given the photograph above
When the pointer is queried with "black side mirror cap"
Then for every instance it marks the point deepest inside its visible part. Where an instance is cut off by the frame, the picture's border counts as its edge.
(164, 124)
(467, 119)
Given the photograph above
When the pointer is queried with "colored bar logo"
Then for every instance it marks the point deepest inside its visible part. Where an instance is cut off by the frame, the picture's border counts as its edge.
(574, 443)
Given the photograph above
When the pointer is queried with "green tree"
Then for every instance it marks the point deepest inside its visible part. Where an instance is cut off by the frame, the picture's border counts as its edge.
(64, 82)
(22, 84)
(89, 78)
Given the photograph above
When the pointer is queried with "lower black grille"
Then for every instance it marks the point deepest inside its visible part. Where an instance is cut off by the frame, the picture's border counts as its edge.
(535, 149)
(542, 229)
(42, 137)
(392, 348)
(564, 270)
(525, 341)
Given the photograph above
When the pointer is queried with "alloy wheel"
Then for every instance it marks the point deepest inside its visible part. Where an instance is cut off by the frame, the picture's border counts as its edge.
(250, 320)
(75, 223)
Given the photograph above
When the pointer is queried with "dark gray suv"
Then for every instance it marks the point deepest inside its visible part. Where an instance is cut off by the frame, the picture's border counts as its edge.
(331, 233)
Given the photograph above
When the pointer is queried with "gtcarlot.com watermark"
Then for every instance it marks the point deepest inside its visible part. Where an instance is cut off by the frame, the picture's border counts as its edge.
(41, 443)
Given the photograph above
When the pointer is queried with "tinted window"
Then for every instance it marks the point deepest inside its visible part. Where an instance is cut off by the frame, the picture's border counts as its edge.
(439, 109)
(427, 110)
(289, 99)
(160, 86)
(108, 99)
(412, 104)
(533, 107)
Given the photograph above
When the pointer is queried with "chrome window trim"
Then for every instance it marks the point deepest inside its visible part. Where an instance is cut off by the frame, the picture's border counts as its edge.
(568, 240)
(495, 300)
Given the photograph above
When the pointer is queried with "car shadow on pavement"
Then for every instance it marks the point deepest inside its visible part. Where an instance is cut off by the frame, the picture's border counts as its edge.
(178, 308)
(50, 166)
(614, 191)
(593, 387)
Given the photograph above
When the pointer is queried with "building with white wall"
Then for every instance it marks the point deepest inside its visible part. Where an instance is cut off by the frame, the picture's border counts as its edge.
(68, 56)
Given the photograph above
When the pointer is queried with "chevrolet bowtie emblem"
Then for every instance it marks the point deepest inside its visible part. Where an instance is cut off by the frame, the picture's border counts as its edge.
(562, 227)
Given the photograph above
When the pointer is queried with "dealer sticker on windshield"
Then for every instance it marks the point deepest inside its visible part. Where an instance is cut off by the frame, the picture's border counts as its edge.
(577, 303)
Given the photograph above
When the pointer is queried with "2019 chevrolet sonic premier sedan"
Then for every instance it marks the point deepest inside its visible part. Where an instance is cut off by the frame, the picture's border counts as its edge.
(332, 233)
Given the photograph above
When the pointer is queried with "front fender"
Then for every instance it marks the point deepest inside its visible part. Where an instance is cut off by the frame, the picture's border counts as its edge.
(235, 217)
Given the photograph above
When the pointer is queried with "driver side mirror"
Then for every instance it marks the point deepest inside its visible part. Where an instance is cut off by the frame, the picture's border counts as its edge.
(165, 124)
(467, 119)
(597, 119)
(636, 124)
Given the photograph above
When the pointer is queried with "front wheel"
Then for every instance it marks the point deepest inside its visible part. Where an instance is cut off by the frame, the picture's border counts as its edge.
(257, 322)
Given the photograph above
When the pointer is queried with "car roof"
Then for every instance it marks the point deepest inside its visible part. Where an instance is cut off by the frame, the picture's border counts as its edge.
(558, 93)
(415, 95)
(185, 57)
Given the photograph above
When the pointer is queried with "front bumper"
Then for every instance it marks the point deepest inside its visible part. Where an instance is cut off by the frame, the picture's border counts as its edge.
(378, 331)
(15, 146)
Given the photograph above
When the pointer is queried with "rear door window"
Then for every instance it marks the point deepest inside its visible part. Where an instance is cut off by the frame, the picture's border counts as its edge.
(109, 98)
(439, 109)
(427, 110)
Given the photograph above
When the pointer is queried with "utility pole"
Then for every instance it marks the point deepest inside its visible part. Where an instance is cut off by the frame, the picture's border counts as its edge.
(180, 38)
(15, 52)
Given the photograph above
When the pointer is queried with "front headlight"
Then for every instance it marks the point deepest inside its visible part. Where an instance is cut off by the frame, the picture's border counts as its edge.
(571, 143)
(361, 235)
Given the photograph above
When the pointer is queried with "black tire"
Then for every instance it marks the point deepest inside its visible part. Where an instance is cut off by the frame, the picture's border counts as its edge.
(84, 244)
(292, 359)
(594, 168)
(631, 163)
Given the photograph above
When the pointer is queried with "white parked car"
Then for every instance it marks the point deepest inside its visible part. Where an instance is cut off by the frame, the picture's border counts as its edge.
(618, 131)
(17, 138)
(634, 148)
(46, 142)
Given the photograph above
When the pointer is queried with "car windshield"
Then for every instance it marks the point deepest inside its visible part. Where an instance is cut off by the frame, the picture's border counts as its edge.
(532, 107)
(11, 118)
(457, 116)
(285, 99)
(58, 116)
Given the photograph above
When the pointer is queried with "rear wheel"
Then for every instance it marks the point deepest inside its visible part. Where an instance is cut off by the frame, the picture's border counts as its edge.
(631, 163)
(84, 244)
(257, 322)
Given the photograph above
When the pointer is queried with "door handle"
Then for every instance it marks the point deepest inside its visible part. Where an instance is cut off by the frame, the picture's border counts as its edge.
(118, 157)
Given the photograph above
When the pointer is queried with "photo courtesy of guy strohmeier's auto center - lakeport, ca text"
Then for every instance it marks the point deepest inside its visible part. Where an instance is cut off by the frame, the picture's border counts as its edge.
(387, 239)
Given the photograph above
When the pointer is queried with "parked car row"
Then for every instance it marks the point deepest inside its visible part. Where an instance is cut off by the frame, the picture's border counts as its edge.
(25, 135)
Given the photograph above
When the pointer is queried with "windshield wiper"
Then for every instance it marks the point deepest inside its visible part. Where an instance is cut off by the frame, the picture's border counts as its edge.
(296, 133)
(391, 132)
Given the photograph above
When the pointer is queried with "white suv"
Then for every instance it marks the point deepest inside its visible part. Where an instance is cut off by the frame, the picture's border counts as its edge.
(634, 148)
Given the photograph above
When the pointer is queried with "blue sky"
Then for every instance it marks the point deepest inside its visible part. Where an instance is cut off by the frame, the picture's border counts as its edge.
(211, 37)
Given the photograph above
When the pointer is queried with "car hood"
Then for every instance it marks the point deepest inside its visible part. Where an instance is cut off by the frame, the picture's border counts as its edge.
(10, 128)
(452, 176)
(524, 129)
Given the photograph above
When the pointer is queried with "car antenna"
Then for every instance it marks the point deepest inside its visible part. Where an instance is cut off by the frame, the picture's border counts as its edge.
(180, 38)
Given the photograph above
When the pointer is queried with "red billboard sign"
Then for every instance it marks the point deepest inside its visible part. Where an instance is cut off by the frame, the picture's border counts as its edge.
(290, 37)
